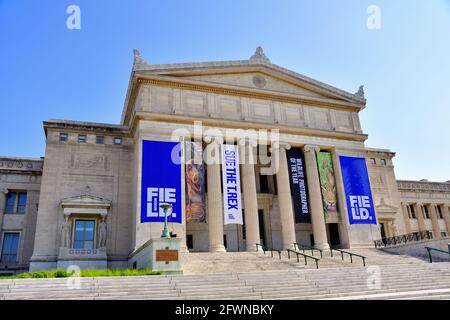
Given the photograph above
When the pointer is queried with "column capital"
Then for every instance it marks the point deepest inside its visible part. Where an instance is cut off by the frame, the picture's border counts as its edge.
(310, 147)
(282, 145)
(4, 191)
(209, 139)
(245, 142)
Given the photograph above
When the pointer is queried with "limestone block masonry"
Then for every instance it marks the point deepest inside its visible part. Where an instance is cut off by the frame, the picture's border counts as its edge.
(81, 203)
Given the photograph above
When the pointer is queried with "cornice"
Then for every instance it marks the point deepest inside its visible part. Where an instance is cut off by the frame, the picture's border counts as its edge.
(85, 126)
(171, 118)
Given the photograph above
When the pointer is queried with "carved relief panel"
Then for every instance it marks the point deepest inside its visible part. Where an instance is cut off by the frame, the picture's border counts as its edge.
(88, 161)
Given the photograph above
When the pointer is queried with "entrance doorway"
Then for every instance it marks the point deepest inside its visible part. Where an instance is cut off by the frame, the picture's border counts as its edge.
(262, 229)
(333, 231)
(383, 230)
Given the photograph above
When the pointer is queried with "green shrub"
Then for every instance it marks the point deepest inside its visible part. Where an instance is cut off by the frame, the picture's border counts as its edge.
(87, 273)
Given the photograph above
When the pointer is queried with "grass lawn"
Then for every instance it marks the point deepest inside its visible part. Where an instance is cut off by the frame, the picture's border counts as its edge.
(86, 273)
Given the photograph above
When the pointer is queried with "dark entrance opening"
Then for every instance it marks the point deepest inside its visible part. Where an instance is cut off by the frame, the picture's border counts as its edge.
(189, 241)
(333, 230)
(383, 230)
(262, 232)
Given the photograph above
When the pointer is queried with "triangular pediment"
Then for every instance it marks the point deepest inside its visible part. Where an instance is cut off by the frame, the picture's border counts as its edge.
(85, 200)
(255, 76)
(257, 80)
(271, 78)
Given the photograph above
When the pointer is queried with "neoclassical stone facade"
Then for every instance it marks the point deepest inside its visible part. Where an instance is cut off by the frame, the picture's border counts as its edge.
(82, 200)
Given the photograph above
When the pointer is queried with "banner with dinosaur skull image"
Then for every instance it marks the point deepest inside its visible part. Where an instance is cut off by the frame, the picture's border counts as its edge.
(327, 182)
(195, 183)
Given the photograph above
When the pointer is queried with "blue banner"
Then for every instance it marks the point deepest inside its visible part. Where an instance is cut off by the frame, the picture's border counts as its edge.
(358, 194)
(161, 180)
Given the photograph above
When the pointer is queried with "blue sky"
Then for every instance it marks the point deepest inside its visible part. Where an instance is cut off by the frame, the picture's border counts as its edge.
(48, 71)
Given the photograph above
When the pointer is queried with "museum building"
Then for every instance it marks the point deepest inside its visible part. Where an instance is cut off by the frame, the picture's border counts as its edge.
(90, 201)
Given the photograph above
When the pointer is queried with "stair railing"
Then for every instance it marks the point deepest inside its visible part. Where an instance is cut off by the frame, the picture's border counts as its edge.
(429, 250)
(402, 239)
(351, 254)
(302, 247)
(265, 248)
(305, 256)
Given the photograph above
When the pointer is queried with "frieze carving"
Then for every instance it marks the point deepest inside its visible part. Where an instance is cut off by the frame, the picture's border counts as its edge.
(88, 161)
(20, 164)
(377, 180)
(423, 186)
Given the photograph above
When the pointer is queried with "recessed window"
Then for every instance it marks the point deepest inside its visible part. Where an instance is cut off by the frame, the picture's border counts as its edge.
(411, 213)
(84, 234)
(426, 214)
(16, 202)
(439, 212)
(117, 141)
(100, 140)
(263, 184)
(82, 138)
(443, 234)
(63, 136)
(383, 162)
(373, 161)
(10, 247)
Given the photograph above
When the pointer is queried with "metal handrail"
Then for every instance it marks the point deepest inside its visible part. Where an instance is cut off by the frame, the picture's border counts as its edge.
(351, 254)
(404, 238)
(305, 256)
(268, 249)
(429, 249)
(303, 247)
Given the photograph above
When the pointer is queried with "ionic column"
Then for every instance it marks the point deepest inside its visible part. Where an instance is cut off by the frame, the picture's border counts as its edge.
(315, 198)
(3, 193)
(215, 205)
(435, 222)
(285, 200)
(250, 197)
(407, 223)
(342, 204)
(182, 230)
(419, 217)
(446, 212)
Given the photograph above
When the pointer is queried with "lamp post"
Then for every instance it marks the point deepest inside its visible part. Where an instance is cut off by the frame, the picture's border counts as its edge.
(165, 232)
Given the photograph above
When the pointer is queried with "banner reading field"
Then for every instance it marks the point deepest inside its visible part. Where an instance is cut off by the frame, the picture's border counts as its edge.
(358, 194)
(299, 188)
(161, 180)
(232, 205)
(195, 183)
(327, 182)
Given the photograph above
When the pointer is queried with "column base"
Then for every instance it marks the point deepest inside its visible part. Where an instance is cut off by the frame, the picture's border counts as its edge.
(184, 249)
(217, 248)
(323, 246)
(253, 248)
(289, 246)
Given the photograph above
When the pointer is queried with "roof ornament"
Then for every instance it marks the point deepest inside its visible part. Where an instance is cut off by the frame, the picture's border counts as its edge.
(360, 92)
(259, 56)
(137, 58)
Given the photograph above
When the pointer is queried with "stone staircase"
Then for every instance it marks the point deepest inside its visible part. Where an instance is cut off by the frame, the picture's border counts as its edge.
(205, 262)
(224, 276)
